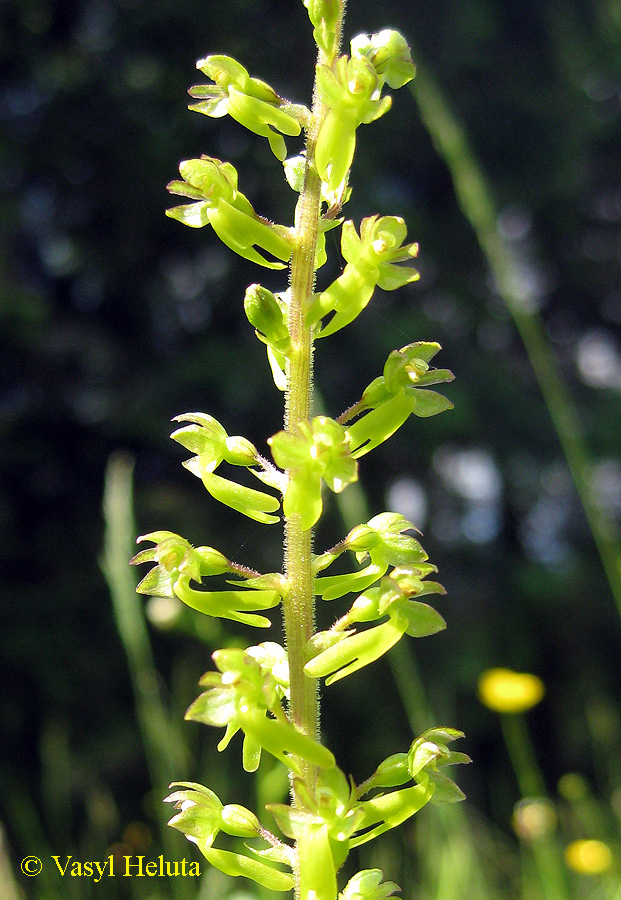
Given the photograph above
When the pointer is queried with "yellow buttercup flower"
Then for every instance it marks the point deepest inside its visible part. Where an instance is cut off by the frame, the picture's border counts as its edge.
(588, 857)
(505, 691)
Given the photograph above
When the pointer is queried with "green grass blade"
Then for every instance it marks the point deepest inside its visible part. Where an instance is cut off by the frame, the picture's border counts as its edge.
(474, 196)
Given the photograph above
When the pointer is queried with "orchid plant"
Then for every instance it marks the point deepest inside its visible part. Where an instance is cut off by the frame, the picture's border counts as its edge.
(269, 692)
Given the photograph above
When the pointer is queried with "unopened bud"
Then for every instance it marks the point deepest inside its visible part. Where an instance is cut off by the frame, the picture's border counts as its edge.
(262, 310)
(326, 11)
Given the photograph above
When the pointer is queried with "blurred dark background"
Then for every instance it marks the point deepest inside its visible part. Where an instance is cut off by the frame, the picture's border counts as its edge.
(115, 318)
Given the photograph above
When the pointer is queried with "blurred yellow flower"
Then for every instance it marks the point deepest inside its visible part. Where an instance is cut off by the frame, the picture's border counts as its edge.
(505, 691)
(588, 857)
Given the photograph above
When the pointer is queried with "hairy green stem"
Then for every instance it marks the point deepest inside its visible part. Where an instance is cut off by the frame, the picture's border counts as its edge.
(299, 605)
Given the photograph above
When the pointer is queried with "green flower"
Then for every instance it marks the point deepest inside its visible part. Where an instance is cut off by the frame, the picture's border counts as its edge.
(249, 101)
(384, 541)
(352, 649)
(387, 810)
(206, 437)
(396, 394)
(368, 885)
(201, 816)
(240, 696)
(351, 93)
(212, 185)
(200, 812)
(313, 451)
(179, 564)
(388, 53)
(371, 260)
(429, 754)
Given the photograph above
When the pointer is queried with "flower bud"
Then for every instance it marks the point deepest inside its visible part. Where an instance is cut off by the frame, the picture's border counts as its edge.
(326, 11)
(262, 310)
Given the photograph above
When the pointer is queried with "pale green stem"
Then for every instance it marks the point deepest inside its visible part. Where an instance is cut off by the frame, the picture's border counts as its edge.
(299, 606)
(522, 755)
(475, 198)
(545, 848)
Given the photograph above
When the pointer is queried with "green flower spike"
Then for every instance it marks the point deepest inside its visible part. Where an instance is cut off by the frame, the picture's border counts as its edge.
(388, 53)
(392, 597)
(251, 102)
(312, 451)
(240, 696)
(178, 564)
(371, 260)
(351, 91)
(206, 437)
(396, 394)
(201, 816)
(384, 541)
(368, 885)
(212, 185)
